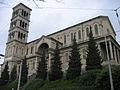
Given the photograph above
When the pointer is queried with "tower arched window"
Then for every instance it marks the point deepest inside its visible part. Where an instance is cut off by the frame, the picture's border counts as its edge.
(24, 36)
(23, 24)
(11, 24)
(20, 22)
(96, 29)
(22, 12)
(27, 14)
(14, 23)
(21, 35)
(18, 34)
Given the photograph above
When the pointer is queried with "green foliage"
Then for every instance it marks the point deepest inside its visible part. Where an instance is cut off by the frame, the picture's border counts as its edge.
(88, 78)
(58, 84)
(35, 84)
(13, 74)
(65, 85)
(10, 85)
(103, 80)
(74, 68)
(4, 75)
(56, 70)
(42, 68)
(24, 72)
(93, 60)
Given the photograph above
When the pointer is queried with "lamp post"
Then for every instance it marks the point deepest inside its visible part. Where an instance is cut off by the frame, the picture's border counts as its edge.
(18, 88)
(109, 65)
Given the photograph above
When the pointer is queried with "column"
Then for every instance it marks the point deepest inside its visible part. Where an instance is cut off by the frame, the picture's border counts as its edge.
(115, 53)
(111, 52)
(36, 64)
(118, 57)
(49, 62)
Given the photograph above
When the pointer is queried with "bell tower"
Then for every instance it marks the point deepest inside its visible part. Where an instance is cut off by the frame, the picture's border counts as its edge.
(19, 24)
(18, 34)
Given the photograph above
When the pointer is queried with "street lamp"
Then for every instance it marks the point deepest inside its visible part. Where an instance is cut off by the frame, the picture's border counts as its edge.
(18, 88)
(109, 65)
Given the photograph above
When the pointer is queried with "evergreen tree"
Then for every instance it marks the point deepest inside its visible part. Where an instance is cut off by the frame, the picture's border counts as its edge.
(74, 68)
(24, 72)
(42, 68)
(93, 60)
(56, 70)
(4, 75)
(13, 74)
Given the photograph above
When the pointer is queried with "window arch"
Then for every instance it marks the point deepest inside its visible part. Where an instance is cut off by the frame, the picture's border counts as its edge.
(96, 29)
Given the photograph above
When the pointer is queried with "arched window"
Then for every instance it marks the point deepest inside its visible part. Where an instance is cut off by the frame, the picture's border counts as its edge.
(24, 36)
(87, 32)
(79, 34)
(96, 29)
(74, 35)
(18, 34)
(64, 39)
(23, 24)
(21, 35)
(22, 12)
(27, 14)
(71, 36)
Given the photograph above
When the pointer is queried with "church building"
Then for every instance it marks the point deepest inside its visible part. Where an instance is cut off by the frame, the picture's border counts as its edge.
(17, 47)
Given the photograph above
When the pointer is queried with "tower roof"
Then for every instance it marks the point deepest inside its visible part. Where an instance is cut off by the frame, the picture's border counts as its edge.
(22, 5)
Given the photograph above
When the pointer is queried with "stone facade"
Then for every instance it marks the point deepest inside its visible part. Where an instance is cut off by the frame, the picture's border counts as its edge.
(17, 46)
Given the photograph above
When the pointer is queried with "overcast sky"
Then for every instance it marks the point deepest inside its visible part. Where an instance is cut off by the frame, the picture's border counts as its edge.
(53, 16)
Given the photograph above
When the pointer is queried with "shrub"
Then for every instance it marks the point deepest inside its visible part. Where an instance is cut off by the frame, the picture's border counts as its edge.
(72, 88)
(35, 84)
(103, 81)
(88, 78)
(59, 84)
(9, 86)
